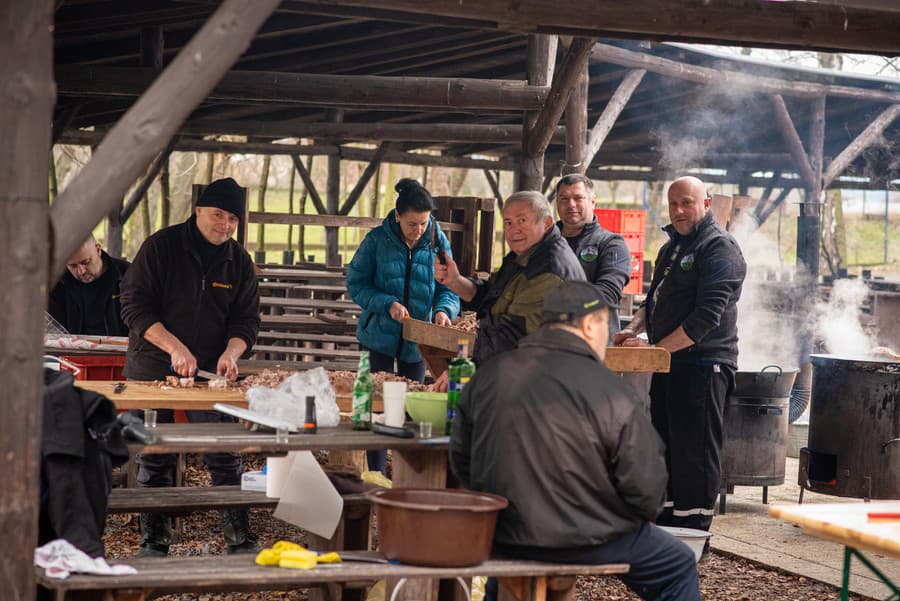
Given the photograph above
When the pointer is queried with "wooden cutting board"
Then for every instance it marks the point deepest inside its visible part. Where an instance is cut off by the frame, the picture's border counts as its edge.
(148, 395)
(637, 359)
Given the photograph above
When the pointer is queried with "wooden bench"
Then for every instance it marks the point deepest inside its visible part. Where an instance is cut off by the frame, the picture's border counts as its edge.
(521, 580)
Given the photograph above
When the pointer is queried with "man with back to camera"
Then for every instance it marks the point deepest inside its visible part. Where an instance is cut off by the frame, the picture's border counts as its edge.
(191, 301)
(691, 311)
(578, 459)
(86, 298)
(603, 255)
(509, 303)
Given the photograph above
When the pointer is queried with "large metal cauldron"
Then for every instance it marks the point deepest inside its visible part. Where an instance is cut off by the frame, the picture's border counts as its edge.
(754, 449)
(854, 428)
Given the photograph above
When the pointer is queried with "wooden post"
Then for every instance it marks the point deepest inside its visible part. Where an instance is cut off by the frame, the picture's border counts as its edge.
(150, 123)
(306, 176)
(165, 197)
(541, 59)
(486, 230)
(360, 186)
(141, 190)
(26, 114)
(114, 233)
(795, 145)
(576, 125)
(261, 203)
(333, 199)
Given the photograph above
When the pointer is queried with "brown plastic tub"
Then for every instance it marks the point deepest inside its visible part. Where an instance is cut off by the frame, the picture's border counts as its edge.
(436, 527)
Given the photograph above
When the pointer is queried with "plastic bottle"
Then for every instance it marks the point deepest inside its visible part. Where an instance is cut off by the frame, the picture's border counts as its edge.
(461, 369)
(361, 418)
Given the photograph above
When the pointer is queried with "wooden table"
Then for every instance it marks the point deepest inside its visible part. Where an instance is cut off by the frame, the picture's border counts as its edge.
(848, 524)
(148, 395)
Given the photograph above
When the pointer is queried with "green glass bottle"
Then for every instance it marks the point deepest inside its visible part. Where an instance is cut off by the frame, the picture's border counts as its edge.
(461, 369)
(361, 418)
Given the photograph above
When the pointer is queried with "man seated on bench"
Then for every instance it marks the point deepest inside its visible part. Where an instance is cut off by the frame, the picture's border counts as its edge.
(550, 428)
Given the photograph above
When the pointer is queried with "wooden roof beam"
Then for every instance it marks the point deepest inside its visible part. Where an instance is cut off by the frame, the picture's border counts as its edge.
(794, 143)
(732, 79)
(611, 112)
(150, 123)
(859, 144)
(305, 88)
(564, 81)
(837, 27)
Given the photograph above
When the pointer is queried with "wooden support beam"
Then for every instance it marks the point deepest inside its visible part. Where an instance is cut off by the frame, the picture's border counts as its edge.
(733, 80)
(767, 193)
(834, 27)
(775, 204)
(541, 58)
(26, 114)
(611, 112)
(150, 123)
(795, 145)
(285, 88)
(576, 126)
(333, 220)
(138, 193)
(399, 132)
(310, 185)
(370, 170)
(563, 83)
(865, 139)
(494, 183)
(63, 120)
(817, 142)
(333, 198)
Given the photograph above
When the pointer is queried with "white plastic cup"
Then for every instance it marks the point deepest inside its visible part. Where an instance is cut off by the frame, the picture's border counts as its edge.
(424, 429)
(149, 418)
(394, 394)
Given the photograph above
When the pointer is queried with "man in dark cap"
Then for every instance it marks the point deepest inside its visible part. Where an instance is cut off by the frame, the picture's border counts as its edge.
(190, 300)
(577, 458)
(86, 298)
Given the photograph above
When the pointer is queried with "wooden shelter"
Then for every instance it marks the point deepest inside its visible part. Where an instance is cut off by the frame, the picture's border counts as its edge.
(485, 85)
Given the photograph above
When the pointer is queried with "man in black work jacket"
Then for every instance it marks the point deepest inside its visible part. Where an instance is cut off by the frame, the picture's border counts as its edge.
(691, 310)
(603, 255)
(191, 301)
(567, 443)
(86, 298)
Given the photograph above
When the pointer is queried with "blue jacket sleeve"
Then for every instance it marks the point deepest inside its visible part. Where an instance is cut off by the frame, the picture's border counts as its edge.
(361, 279)
(445, 299)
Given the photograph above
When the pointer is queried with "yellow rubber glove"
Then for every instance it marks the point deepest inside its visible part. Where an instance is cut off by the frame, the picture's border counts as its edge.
(330, 558)
(298, 560)
(284, 545)
(268, 557)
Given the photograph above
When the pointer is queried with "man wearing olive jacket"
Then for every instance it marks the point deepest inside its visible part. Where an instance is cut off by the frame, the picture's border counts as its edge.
(567, 443)
(190, 300)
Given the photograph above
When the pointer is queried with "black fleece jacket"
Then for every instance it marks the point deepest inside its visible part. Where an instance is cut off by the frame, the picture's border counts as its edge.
(69, 305)
(203, 309)
(700, 293)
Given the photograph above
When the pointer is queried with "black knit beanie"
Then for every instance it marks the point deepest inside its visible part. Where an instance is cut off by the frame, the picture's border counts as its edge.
(224, 194)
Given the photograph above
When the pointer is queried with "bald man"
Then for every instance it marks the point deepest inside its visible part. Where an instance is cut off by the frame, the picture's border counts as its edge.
(691, 310)
(86, 298)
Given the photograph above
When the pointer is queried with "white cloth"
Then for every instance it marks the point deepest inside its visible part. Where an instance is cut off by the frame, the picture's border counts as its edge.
(59, 558)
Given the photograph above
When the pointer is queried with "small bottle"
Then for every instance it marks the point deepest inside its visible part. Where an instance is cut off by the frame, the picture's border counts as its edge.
(309, 424)
(460, 370)
(361, 418)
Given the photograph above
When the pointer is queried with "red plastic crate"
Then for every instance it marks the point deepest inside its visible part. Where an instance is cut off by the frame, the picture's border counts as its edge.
(96, 367)
(635, 242)
(622, 221)
(636, 283)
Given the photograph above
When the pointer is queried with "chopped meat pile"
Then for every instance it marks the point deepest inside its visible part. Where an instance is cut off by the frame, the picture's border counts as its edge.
(176, 382)
(466, 322)
(341, 381)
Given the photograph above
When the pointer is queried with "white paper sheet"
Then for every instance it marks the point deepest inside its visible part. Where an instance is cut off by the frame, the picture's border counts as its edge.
(308, 498)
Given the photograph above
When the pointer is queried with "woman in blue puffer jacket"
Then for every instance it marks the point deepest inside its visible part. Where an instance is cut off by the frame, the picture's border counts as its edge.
(391, 277)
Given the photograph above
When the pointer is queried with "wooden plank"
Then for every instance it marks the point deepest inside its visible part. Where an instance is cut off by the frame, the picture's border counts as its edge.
(309, 303)
(305, 337)
(637, 359)
(212, 573)
(149, 395)
(486, 231)
(254, 366)
(312, 352)
(435, 336)
(332, 220)
(288, 88)
(185, 499)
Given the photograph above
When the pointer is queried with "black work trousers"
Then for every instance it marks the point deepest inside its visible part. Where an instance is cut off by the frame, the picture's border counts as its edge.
(662, 567)
(159, 470)
(687, 407)
(379, 362)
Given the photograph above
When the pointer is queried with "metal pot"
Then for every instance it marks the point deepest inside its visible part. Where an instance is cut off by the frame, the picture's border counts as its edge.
(772, 381)
(436, 527)
(854, 428)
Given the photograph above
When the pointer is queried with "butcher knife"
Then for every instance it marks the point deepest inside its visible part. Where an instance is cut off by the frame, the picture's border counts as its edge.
(209, 375)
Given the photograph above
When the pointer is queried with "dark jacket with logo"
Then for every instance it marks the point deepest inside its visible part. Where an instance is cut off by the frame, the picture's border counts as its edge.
(565, 440)
(68, 302)
(509, 303)
(166, 283)
(700, 293)
(606, 261)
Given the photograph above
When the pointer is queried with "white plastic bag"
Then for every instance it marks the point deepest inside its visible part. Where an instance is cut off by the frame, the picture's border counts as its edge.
(276, 403)
(314, 382)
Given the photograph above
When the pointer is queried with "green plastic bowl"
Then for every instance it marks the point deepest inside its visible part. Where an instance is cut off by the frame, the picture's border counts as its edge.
(428, 407)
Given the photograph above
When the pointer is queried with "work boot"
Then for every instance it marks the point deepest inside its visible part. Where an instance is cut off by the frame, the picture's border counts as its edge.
(236, 530)
(156, 535)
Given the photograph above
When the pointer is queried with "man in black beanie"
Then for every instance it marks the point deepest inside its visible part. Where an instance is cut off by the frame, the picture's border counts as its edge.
(190, 300)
